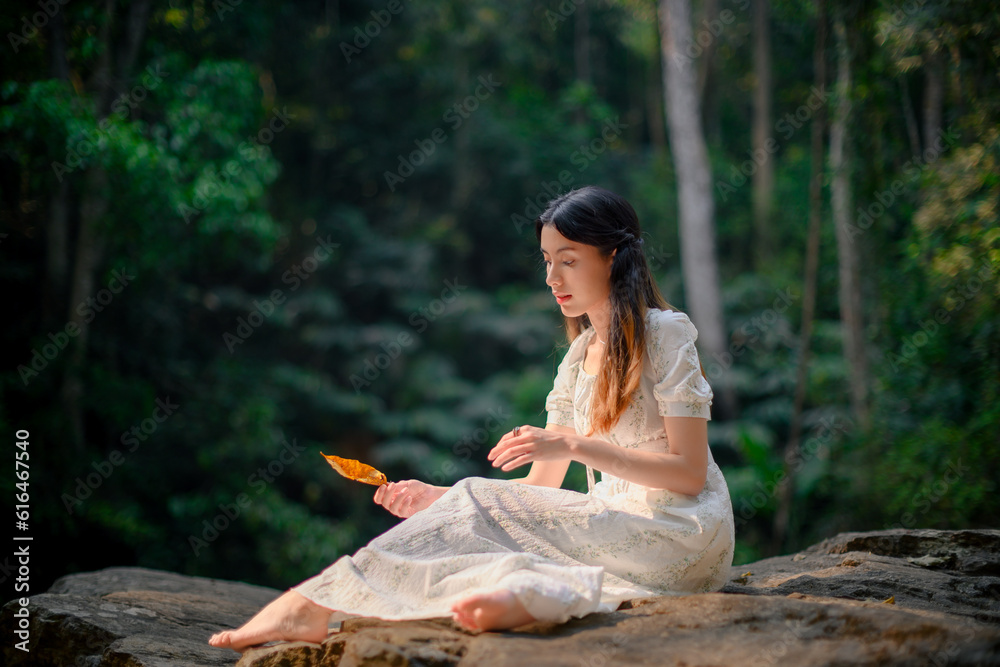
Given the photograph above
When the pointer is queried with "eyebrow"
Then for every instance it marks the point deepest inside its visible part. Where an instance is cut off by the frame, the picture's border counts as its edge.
(565, 247)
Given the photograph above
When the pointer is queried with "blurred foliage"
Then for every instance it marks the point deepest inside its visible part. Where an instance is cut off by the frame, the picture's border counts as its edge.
(288, 297)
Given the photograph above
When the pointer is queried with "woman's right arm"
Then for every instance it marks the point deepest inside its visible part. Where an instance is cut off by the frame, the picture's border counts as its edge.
(549, 473)
(406, 498)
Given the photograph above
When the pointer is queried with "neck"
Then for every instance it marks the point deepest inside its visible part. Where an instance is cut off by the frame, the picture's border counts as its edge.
(601, 321)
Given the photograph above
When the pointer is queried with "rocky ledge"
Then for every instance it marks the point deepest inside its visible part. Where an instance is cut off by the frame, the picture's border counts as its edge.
(897, 597)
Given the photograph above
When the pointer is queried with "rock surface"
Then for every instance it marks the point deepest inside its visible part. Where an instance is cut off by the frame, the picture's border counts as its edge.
(897, 597)
(131, 616)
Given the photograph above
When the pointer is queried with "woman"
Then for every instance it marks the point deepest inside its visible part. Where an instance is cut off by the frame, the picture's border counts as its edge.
(629, 399)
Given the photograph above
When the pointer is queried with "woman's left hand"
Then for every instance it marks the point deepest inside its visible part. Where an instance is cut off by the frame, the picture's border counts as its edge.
(531, 444)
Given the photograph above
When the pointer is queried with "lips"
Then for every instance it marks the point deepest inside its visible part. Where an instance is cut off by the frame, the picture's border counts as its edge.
(562, 298)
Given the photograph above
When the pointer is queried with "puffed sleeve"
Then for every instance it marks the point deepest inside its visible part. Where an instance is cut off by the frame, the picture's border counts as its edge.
(680, 389)
(559, 402)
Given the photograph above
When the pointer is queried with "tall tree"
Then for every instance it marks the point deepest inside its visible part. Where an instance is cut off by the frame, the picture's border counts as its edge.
(782, 517)
(763, 177)
(847, 251)
(114, 68)
(707, 74)
(694, 184)
(933, 92)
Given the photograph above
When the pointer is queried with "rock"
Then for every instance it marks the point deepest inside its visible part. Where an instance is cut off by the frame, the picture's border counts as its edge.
(897, 597)
(957, 572)
(706, 629)
(131, 616)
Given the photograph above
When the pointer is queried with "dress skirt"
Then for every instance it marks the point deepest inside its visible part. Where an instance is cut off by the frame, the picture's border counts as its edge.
(564, 554)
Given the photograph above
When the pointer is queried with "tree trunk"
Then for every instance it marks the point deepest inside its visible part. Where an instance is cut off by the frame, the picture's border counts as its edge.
(57, 232)
(912, 133)
(706, 75)
(94, 201)
(581, 42)
(763, 177)
(653, 91)
(581, 52)
(463, 169)
(786, 494)
(694, 183)
(847, 251)
(933, 96)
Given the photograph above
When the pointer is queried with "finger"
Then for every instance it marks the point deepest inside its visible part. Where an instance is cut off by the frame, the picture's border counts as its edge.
(516, 462)
(498, 450)
(511, 453)
(397, 502)
(505, 444)
(390, 495)
(505, 438)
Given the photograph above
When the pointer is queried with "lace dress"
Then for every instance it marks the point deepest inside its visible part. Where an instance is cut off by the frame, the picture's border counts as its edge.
(563, 553)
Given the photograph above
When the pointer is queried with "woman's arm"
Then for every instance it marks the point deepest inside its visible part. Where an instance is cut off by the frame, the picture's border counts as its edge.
(683, 470)
(549, 473)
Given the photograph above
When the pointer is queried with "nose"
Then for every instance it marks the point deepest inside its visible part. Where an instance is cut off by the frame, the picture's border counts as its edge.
(551, 277)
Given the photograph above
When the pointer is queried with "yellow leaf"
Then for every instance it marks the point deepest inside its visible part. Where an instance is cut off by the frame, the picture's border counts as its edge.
(891, 600)
(747, 574)
(352, 469)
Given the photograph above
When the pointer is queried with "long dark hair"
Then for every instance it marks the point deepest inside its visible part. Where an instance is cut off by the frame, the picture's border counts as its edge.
(594, 216)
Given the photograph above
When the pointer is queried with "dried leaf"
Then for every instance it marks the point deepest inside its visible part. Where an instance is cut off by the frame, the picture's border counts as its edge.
(891, 600)
(352, 469)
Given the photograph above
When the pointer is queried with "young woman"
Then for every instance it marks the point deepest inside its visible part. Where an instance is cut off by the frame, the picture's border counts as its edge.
(629, 399)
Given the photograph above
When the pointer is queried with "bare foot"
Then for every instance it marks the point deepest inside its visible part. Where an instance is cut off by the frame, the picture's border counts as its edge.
(291, 617)
(498, 610)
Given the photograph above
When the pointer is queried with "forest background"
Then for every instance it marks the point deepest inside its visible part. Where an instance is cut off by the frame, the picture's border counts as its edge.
(236, 234)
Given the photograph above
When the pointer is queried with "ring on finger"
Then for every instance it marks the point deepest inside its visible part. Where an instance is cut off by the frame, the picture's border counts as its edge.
(517, 431)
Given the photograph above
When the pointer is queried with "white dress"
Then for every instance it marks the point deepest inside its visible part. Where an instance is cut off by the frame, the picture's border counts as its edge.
(563, 553)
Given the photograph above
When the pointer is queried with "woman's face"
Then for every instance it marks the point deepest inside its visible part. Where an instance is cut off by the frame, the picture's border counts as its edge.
(579, 276)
